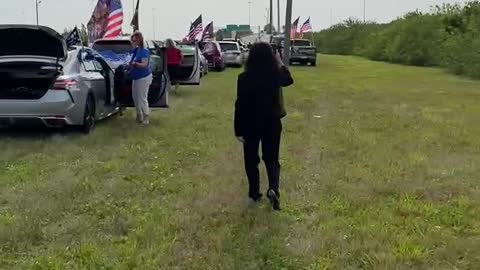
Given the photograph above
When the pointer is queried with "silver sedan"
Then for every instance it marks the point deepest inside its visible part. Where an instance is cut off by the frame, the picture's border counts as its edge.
(43, 82)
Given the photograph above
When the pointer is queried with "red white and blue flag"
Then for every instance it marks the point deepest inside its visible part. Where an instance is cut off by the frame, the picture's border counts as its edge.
(294, 29)
(195, 29)
(106, 20)
(115, 19)
(306, 27)
(208, 31)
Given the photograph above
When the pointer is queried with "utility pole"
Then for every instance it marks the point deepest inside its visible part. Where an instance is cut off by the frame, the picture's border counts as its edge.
(250, 13)
(278, 16)
(153, 18)
(331, 17)
(364, 11)
(37, 2)
(271, 17)
(288, 28)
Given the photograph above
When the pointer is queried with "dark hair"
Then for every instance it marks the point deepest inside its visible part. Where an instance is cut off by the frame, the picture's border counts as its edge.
(261, 62)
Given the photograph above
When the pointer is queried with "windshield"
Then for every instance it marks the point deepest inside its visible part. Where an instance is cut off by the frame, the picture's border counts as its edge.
(119, 46)
(301, 43)
(229, 47)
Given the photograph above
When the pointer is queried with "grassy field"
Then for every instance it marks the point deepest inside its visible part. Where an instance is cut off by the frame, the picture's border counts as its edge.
(381, 167)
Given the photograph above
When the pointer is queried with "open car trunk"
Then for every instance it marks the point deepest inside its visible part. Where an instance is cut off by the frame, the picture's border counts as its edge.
(28, 81)
(29, 60)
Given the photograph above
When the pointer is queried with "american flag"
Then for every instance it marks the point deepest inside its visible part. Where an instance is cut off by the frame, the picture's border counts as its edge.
(195, 28)
(306, 27)
(208, 32)
(115, 19)
(293, 29)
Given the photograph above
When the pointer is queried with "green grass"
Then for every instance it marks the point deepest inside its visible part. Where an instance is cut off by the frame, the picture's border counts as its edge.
(380, 171)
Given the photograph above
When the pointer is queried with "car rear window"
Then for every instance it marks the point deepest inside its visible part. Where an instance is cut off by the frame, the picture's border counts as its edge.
(228, 47)
(117, 46)
(301, 43)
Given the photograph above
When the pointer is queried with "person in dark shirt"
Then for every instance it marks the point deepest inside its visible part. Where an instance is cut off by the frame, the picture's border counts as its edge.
(259, 109)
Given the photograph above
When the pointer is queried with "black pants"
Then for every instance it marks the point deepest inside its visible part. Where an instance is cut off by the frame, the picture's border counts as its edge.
(269, 137)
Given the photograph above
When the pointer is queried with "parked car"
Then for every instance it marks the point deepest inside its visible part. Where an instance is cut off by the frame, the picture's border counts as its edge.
(117, 52)
(42, 82)
(233, 53)
(303, 52)
(214, 55)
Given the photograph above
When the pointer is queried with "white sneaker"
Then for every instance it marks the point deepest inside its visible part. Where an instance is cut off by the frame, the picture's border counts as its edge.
(145, 121)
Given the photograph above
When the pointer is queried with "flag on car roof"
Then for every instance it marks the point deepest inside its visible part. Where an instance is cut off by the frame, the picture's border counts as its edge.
(134, 22)
(73, 38)
(195, 28)
(208, 32)
(294, 29)
(306, 27)
(106, 20)
(115, 19)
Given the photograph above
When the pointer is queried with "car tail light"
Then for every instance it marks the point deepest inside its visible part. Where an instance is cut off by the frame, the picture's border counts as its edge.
(64, 84)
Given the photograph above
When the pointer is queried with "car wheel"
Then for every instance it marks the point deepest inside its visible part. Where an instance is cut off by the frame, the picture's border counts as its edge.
(88, 116)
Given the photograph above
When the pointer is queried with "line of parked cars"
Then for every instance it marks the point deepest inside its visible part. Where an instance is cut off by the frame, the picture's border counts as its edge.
(44, 82)
(220, 54)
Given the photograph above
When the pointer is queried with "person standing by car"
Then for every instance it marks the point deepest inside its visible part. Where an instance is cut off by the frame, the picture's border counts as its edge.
(141, 75)
(174, 59)
(259, 109)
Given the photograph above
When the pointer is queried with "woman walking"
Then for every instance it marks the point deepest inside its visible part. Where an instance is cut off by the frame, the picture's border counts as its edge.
(174, 59)
(141, 75)
(258, 112)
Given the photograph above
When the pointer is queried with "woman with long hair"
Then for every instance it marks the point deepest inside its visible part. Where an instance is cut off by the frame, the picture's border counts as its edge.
(141, 75)
(259, 109)
(174, 59)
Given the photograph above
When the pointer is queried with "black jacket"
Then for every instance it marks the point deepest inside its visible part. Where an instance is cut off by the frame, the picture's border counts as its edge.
(259, 101)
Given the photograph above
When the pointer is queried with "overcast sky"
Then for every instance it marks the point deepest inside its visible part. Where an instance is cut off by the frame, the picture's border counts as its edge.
(172, 18)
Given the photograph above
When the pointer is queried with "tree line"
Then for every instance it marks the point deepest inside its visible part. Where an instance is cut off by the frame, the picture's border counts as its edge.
(448, 36)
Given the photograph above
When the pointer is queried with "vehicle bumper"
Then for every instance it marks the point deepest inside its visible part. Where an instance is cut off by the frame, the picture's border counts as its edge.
(215, 64)
(54, 109)
(305, 59)
(234, 60)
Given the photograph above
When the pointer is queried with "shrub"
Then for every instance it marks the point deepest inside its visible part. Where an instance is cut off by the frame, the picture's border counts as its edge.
(449, 37)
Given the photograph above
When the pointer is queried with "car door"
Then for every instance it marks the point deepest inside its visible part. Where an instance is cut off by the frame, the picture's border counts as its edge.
(190, 68)
(94, 78)
(158, 91)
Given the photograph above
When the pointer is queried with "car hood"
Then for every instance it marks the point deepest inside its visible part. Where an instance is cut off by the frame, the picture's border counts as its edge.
(32, 41)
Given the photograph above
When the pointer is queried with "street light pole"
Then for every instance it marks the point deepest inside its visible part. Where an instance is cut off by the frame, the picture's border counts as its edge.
(288, 28)
(250, 13)
(271, 17)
